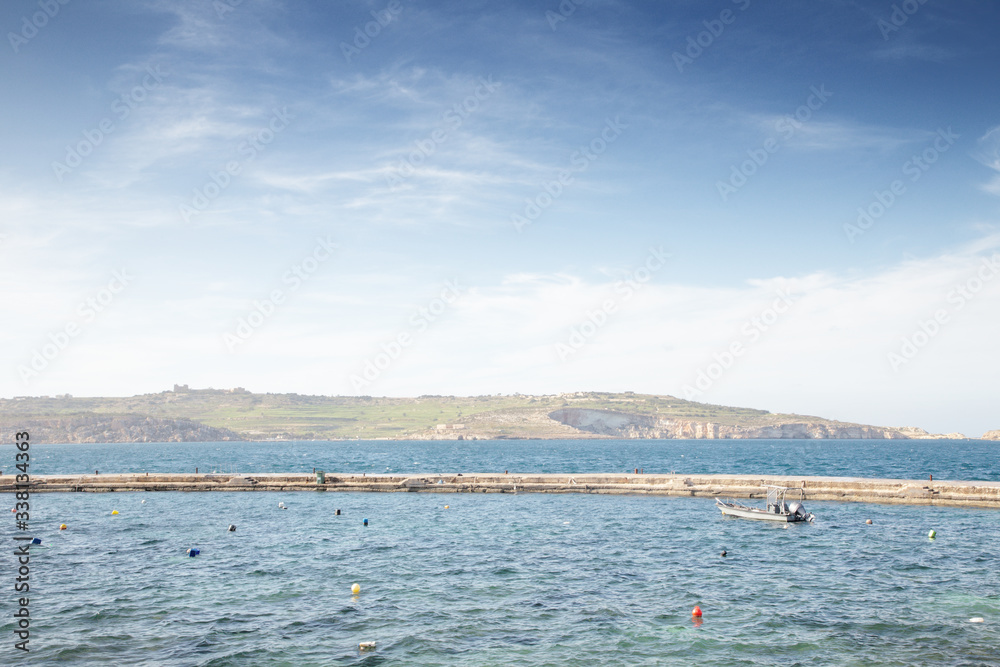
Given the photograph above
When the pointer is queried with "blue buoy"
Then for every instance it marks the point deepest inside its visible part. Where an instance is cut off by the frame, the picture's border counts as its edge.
(366, 522)
(193, 552)
(36, 540)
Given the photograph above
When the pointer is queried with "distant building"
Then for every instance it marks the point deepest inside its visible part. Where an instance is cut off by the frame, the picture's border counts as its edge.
(181, 388)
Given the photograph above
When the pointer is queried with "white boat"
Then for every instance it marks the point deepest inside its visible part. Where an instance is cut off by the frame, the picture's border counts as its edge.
(777, 509)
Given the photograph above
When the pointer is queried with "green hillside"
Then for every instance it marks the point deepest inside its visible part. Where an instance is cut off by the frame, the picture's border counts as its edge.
(285, 416)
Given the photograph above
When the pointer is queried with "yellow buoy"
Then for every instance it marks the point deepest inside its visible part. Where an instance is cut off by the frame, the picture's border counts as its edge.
(62, 526)
(932, 534)
(355, 588)
(446, 506)
(114, 511)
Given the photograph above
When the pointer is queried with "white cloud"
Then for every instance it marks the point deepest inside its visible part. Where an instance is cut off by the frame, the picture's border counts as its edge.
(827, 355)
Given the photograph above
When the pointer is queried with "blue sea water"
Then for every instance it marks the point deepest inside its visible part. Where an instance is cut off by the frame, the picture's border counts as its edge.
(905, 459)
(526, 579)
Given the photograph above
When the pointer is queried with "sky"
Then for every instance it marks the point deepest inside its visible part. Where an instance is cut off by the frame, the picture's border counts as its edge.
(788, 206)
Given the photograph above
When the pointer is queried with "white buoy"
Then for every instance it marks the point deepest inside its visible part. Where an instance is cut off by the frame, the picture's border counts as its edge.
(976, 619)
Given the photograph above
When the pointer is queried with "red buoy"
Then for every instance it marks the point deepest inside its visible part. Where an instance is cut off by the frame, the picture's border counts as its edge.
(696, 612)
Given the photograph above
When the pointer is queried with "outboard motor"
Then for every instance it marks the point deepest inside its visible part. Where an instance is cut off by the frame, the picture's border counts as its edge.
(798, 510)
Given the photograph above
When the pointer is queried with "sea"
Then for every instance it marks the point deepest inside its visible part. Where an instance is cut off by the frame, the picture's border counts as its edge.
(502, 579)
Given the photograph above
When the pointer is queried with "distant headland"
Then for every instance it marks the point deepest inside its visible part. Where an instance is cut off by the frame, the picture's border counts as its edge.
(207, 415)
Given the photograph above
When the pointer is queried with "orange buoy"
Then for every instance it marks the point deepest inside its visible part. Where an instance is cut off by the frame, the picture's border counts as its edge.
(696, 612)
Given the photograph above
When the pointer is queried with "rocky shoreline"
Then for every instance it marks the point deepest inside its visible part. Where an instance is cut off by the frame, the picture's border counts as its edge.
(624, 425)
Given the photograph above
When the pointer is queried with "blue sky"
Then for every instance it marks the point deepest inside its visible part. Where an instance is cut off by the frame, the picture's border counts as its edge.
(523, 197)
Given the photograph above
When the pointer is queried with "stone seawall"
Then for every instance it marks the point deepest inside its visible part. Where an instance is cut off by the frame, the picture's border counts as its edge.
(847, 489)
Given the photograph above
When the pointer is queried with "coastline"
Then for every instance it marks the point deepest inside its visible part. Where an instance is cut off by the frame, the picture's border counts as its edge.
(845, 489)
(215, 415)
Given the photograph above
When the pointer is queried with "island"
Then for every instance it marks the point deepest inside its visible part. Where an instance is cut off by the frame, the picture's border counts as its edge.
(211, 415)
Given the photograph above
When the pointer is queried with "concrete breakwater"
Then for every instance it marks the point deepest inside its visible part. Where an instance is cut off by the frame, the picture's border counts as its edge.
(846, 489)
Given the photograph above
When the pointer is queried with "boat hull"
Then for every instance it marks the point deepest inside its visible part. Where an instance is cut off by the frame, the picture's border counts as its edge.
(760, 515)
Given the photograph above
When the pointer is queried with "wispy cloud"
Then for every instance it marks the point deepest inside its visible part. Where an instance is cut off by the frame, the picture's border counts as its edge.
(902, 51)
(987, 151)
(221, 28)
(834, 135)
